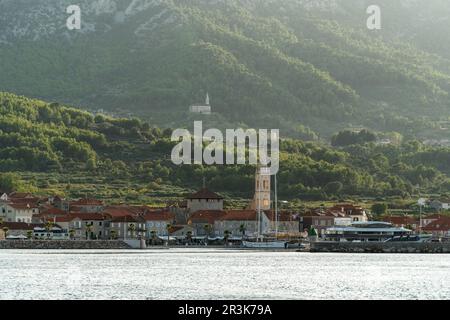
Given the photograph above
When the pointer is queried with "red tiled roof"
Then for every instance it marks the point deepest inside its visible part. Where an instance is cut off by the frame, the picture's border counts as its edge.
(20, 195)
(400, 220)
(348, 208)
(23, 206)
(434, 216)
(159, 216)
(66, 218)
(85, 216)
(118, 211)
(25, 200)
(205, 194)
(442, 224)
(52, 211)
(127, 219)
(206, 216)
(240, 215)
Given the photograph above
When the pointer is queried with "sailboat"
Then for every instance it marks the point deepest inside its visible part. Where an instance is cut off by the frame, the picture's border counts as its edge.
(275, 244)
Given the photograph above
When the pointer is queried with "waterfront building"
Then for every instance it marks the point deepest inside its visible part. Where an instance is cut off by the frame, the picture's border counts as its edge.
(439, 227)
(404, 221)
(288, 223)
(365, 231)
(87, 206)
(125, 227)
(157, 222)
(357, 213)
(204, 199)
(86, 226)
(241, 223)
(427, 219)
(18, 212)
(203, 221)
(321, 219)
(60, 203)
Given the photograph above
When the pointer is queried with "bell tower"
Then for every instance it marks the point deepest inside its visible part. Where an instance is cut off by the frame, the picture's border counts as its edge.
(261, 199)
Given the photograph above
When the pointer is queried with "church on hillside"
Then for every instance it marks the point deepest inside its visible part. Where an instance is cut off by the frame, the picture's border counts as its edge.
(202, 109)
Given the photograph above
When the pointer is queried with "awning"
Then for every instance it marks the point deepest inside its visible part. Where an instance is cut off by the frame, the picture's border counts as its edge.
(164, 238)
(19, 237)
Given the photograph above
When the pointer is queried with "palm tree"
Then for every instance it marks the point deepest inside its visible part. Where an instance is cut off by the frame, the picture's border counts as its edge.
(153, 237)
(189, 237)
(89, 230)
(168, 227)
(242, 229)
(5, 231)
(132, 229)
(48, 228)
(226, 236)
(207, 229)
(29, 234)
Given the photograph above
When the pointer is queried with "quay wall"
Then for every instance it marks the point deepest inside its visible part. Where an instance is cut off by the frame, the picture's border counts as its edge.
(63, 244)
(380, 247)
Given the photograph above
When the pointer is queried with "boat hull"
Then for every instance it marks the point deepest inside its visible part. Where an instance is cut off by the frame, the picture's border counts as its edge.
(265, 245)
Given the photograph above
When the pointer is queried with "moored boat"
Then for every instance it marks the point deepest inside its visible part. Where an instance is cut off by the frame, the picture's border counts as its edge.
(265, 244)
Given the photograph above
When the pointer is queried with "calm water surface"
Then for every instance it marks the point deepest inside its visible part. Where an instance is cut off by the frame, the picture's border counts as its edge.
(220, 274)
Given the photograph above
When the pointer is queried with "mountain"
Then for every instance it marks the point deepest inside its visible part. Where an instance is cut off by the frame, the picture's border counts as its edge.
(297, 65)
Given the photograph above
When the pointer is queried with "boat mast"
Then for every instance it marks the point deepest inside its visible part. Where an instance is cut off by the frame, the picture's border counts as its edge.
(259, 202)
(276, 209)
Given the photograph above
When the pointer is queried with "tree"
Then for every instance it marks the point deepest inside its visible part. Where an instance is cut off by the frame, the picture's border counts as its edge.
(89, 228)
(242, 229)
(189, 237)
(72, 234)
(132, 229)
(48, 228)
(153, 237)
(5, 231)
(9, 182)
(29, 234)
(168, 228)
(379, 208)
(333, 188)
(207, 228)
(226, 236)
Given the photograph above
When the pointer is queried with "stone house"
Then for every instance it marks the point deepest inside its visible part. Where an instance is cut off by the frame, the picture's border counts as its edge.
(204, 200)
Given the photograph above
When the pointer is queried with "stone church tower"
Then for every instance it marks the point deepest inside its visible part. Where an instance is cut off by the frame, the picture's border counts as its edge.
(261, 198)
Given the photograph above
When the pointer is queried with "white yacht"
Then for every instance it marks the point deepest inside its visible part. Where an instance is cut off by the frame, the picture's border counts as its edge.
(365, 231)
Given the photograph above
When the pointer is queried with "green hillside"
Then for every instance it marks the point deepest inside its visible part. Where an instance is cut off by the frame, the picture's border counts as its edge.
(291, 65)
(56, 149)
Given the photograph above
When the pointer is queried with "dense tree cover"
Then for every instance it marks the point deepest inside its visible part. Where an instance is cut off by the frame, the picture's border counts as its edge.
(379, 208)
(347, 138)
(39, 137)
(10, 182)
(284, 62)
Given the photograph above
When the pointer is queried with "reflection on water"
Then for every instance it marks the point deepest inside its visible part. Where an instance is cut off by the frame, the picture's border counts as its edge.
(220, 274)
